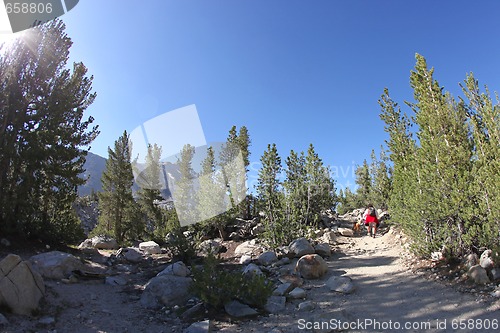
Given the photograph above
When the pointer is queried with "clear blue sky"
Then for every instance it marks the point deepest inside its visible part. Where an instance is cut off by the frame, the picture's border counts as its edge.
(293, 72)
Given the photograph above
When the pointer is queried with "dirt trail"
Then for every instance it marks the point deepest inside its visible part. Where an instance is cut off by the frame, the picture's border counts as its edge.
(388, 291)
(387, 298)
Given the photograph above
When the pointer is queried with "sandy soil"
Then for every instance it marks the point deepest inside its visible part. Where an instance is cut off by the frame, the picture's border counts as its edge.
(389, 295)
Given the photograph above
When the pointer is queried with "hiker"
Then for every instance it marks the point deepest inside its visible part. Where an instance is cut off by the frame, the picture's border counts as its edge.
(371, 219)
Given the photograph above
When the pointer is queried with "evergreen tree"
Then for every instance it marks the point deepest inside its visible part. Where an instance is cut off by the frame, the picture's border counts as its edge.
(119, 212)
(42, 133)
(320, 187)
(402, 149)
(364, 182)
(444, 160)
(149, 193)
(234, 161)
(484, 114)
(348, 201)
(381, 180)
(211, 195)
(431, 182)
(270, 196)
(184, 192)
(295, 191)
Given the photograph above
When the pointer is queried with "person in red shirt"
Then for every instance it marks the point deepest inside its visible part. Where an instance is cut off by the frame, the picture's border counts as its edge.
(370, 216)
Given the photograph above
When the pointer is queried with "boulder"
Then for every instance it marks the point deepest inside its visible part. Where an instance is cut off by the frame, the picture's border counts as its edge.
(301, 247)
(306, 306)
(130, 254)
(210, 246)
(267, 258)
(478, 274)
(283, 289)
(323, 249)
(248, 248)
(252, 269)
(486, 261)
(239, 310)
(340, 284)
(346, 232)
(297, 293)
(166, 290)
(196, 312)
(311, 266)
(55, 264)
(177, 268)
(21, 287)
(150, 247)
(329, 237)
(104, 243)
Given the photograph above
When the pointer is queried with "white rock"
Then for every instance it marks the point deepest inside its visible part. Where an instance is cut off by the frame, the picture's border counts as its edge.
(150, 247)
(177, 268)
(21, 287)
(55, 264)
(167, 290)
(245, 259)
(346, 232)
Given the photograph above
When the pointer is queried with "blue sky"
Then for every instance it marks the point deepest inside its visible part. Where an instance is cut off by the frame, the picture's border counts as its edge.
(293, 72)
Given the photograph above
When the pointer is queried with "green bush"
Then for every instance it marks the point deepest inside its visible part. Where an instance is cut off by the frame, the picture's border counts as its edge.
(216, 286)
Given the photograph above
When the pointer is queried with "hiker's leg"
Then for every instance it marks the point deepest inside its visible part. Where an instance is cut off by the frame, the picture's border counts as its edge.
(374, 228)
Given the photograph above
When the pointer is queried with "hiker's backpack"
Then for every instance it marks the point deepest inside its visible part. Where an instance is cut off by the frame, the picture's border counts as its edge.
(372, 212)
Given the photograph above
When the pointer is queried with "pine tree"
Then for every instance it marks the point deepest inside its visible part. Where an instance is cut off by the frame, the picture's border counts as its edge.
(234, 162)
(444, 160)
(149, 193)
(119, 212)
(211, 195)
(402, 149)
(484, 226)
(295, 192)
(320, 187)
(364, 182)
(381, 180)
(270, 196)
(184, 191)
(348, 201)
(42, 134)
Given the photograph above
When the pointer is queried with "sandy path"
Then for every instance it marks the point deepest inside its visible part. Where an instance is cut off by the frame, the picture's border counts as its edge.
(387, 291)
(388, 298)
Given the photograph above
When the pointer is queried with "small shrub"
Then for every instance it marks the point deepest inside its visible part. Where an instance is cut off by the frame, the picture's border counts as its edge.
(216, 286)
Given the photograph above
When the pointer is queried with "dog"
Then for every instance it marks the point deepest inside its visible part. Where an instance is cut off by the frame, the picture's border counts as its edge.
(356, 228)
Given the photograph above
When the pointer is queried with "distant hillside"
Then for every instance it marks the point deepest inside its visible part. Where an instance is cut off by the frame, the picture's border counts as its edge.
(95, 165)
